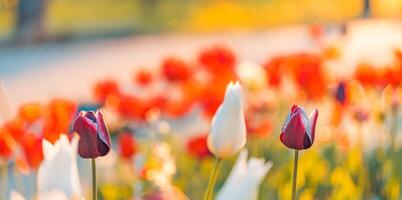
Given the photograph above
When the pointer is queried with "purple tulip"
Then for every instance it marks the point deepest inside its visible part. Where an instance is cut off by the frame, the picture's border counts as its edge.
(298, 132)
(94, 136)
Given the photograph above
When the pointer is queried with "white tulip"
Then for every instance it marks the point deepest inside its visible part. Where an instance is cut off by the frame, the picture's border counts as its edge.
(59, 171)
(244, 179)
(228, 128)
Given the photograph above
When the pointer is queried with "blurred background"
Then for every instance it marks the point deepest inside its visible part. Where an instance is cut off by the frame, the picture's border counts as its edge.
(38, 21)
(39, 35)
(150, 65)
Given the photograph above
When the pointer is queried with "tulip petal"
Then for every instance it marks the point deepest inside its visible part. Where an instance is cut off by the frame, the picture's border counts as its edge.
(87, 130)
(312, 123)
(103, 142)
(228, 129)
(293, 133)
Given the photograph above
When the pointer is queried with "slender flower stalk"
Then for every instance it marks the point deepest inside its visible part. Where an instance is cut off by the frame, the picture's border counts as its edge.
(212, 180)
(95, 140)
(4, 175)
(295, 174)
(298, 133)
(94, 187)
(228, 131)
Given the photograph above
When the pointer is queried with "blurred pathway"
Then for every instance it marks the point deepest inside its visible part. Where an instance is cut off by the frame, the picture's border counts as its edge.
(69, 70)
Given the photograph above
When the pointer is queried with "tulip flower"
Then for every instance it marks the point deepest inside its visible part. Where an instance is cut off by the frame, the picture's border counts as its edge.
(298, 133)
(244, 179)
(59, 170)
(175, 70)
(299, 130)
(228, 131)
(94, 136)
(197, 146)
(94, 139)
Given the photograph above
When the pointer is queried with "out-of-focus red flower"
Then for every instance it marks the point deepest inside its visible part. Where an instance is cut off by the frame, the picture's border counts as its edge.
(174, 69)
(366, 74)
(7, 144)
(218, 60)
(31, 145)
(309, 75)
(94, 136)
(197, 146)
(58, 117)
(105, 88)
(30, 112)
(390, 75)
(132, 107)
(274, 72)
(298, 131)
(127, 145)
(337, 114)
(259, 129)
(192, 90)
(177, 108)
(143, 77)
(15, 128)
(212, 97)
(210, 101)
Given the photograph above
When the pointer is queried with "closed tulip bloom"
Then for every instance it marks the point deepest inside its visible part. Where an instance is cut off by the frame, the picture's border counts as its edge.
(228, 129)
(299, 130)
(244, 179)
(59, 171)
(94, 136)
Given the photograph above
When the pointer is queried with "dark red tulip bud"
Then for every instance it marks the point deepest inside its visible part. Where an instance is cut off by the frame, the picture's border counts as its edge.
(298, 132)
(94, 136)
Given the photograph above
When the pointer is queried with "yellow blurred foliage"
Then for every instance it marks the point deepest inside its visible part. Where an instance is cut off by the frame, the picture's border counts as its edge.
(65, 16)
(343, 185)
(7, 17)
(228, 15)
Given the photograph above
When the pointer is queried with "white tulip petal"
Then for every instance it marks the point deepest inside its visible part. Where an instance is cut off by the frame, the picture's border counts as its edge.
(59, 171)
(244, 179)
(228, 128)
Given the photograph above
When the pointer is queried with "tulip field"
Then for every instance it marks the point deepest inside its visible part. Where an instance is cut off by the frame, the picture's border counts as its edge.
(215, 127)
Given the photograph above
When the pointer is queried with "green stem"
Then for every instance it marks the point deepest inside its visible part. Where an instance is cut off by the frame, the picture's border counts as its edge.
(394, 127)
(94, 188)
(212, 180)
(4, 175)
(295, 174)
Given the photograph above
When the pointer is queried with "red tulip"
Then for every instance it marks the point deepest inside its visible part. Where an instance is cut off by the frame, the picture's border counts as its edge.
(143, 77)
(94, 136)
(104, 89)
(7, 144)
(218, 60)
(174, 69)
(197, 146)
(127, 145)
(299, 130)
(31, 145)
(57, 118)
